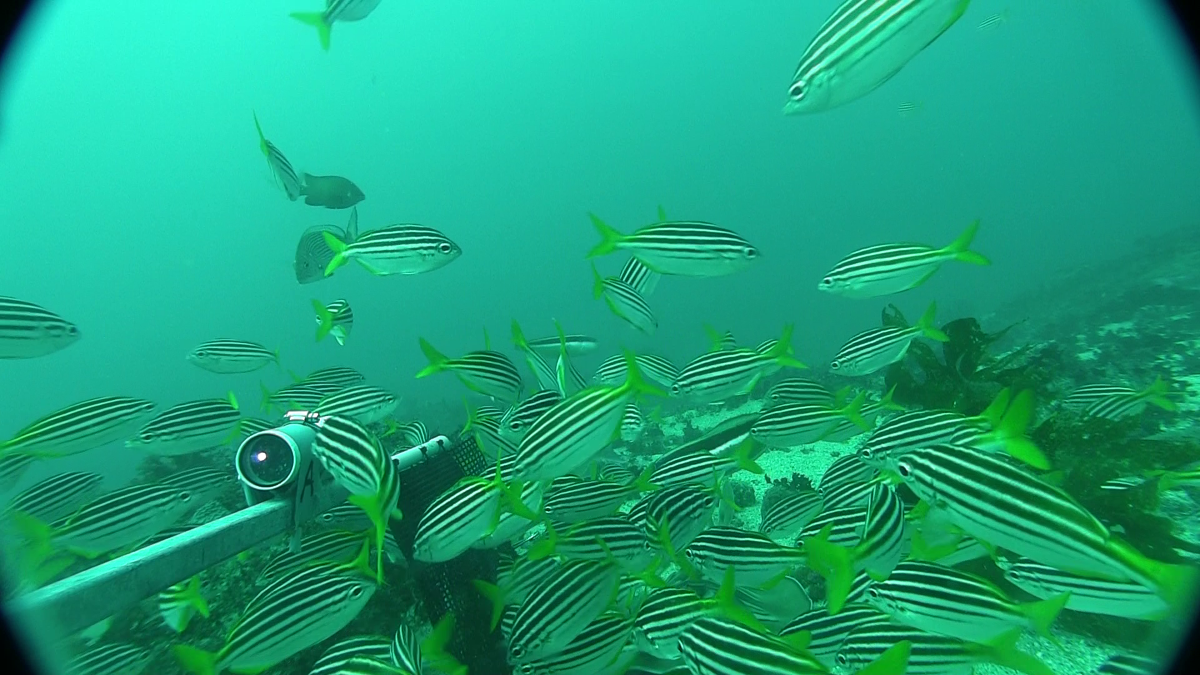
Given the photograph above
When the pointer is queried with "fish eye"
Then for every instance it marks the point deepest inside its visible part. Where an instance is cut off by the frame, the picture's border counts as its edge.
(872, 592)
(904, 469)
(516, 651)
(72, 330)
(514, 425)
(750, 252)
(201, 354)
(842, 660)
(146, 437)
(185, 496)
(865, 453)
(356, 591)
(444, 247)
(827, 281)
(797, 91)
(675, 389)
(834, 365)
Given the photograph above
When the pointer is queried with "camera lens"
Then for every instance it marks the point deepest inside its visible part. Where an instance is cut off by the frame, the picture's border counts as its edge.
(266, 460)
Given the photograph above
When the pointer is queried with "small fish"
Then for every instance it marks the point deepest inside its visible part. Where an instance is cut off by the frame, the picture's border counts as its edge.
(633, 423)
(28, 331)
(456, 519)
(788, 514)
(1130, 664)
(639, 277)
(335, 319)
(288, 616)
(560, 608)
(396, 249)
(487, 372)
(861, 46)
(577, 345)
(799, 390)
(826, 632)
(754, 557)
(571, 499)
(313, 253)
(179, 603)
(1117, 402)
(716, 645)
(720, 375)
(685, 248)
(625, 302)
(878, 348)
(910, 108)
(334, 659)
(894, 268)
(335, 11)
(931, 653)
(56, 497)
(993, 21)
(332, 192)
(79, 427)
(1085, 594)
(189, 427)
(232, 356)
(519, 418)
(280, 167)
(792, 424)
(110, 659)
(362, 402)
(336, 375)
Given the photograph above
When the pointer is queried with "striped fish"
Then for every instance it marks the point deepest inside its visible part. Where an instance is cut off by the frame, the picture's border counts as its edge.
(632, 423)
(791, 424)
(702, 468)
(1116, 402)
(951, 602)
(684, 248)
(754, 558)
(334, 659)
(1087, 594)
(597, 645)
(568, 377)
(457, 518)
(337, 375)
(615, 472)
(411, 435)
(885, 539)
(846, 495)
(396, 249)
(296, 396)
(577, 345)
(558, 610)
(721, 646)
(362, 402)
(1130, 664)
(665, 614)
(786, 515)
(288, 616)
(993, 21)
(115, 520)
(281, 168)
(515, 581)
(613, 538)
(488, 433)
(675, 516)
(115, 658)
(334, 546)
(1005, 506)
(848, 468)
(520, 417)
(909, 430)
(56, 497)
(313, 254)
(486, 372)
(357, 461)
(335, 11)
(179, 603)
(625, 302)
(1123, 483)
(827, 632)
(909, 108)
(878, 348)
(723, 440)
(863, 44)
(28, 330)
(80, 427)
(572, 500)
(799, 390)
(189, 427)
(334, 319)
(844, 525)
(12, 467)
(639, 277)
(932, 654)
(253, 425)
(717, 376)
(345, 516)
(894, 268)
(721, 341)
(656, 369)
(204, 482)
(405, 650)
(227, 356)
(575, 430)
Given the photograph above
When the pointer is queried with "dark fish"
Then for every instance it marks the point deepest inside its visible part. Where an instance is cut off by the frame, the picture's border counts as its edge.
(332, 192)
(313, 254)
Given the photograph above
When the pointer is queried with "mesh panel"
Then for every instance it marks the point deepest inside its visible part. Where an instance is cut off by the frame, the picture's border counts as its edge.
(446, 587)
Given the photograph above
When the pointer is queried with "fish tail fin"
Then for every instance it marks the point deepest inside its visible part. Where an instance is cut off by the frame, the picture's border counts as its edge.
(195, 660)
(714, 335)
(610, 238)
(437, 360)
(853, 411)
(961, 247)
(325, 319)
(1157, 394)
(742, 457)
(892, 661)
(262, 140)
(994, 413)
(1043, 612)
(662, 214)
(833, 562)
(316, 20)
(925, 325)
(597, 284)
(887, 402)
(1011, 432)
(781, 352)
(634, 381)
(1003, 652)
(433, 647)
(643, 483)
(494, 595)
(195, 598)
(339, 252)
(544, 548)
(518, 337)
(371, 505)
(728, 607)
